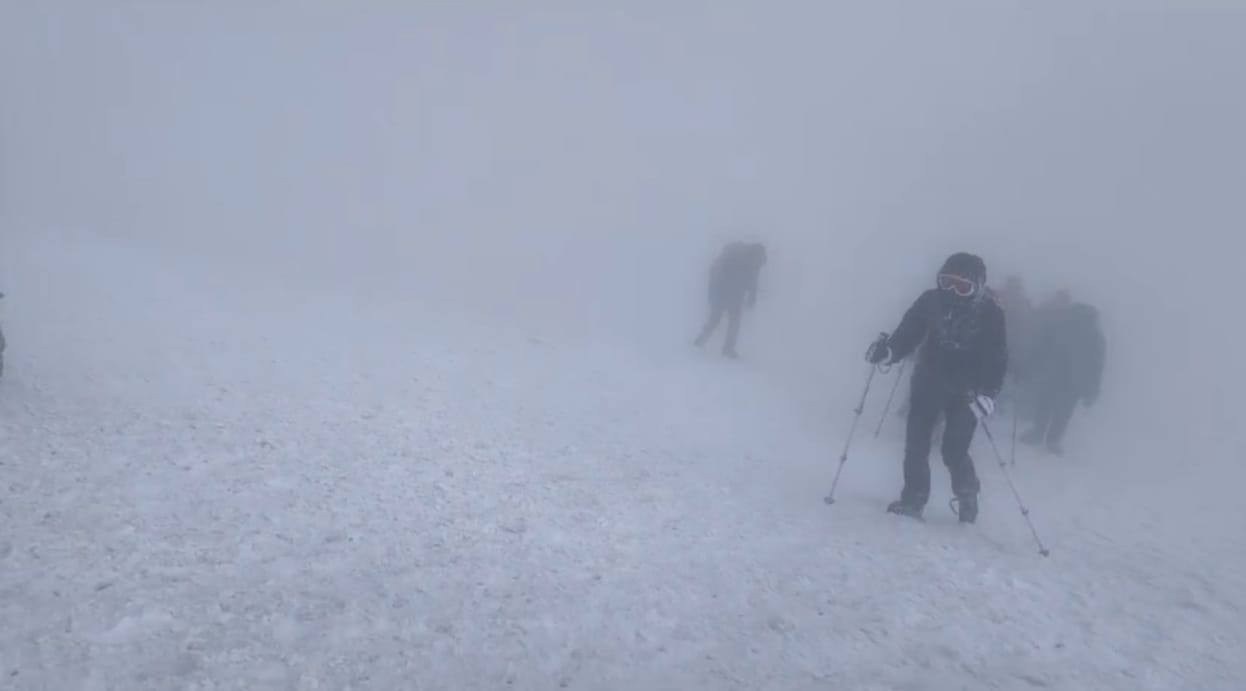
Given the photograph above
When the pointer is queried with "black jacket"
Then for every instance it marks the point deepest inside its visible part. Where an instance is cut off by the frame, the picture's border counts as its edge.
(963, 342)
(734, 274)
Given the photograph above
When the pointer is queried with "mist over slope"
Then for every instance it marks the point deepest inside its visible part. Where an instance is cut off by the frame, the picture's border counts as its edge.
(284, 199)
(206, 487)
(498, 156)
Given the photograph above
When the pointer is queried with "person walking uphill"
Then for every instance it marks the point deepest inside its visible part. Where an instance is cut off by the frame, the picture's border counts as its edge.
(1069, 370)
(733, 285)
(959, 373)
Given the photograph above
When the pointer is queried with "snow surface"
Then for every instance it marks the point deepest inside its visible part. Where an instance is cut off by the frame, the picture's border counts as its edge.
(219, 481)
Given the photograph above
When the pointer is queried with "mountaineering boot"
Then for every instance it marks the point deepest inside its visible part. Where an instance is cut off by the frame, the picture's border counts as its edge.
(902, 508)
(966, 508)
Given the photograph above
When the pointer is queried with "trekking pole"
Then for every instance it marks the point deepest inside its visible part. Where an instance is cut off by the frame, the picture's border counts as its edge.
(843, 458)
(1025, 513)
(890, 398)
(1014, 435)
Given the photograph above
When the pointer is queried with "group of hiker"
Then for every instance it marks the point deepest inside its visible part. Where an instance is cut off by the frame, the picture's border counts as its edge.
(1057, 361)
(971, 344)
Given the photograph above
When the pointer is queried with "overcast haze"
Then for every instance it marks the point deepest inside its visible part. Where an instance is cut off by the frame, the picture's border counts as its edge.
(1081, 144)
(568, 170)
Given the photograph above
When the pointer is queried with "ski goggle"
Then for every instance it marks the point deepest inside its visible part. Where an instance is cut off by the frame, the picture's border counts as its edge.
(957, 284)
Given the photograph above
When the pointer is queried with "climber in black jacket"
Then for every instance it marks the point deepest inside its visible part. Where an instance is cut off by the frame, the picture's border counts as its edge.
(959, 373)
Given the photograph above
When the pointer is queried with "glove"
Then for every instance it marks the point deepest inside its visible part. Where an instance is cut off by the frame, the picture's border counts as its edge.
(982, 406)
(878, 351)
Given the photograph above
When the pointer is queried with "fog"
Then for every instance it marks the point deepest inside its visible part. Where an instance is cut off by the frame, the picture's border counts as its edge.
(579, 166)
(569, 170)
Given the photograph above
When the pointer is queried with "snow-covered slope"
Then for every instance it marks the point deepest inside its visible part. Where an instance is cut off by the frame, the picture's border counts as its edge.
(216, 481)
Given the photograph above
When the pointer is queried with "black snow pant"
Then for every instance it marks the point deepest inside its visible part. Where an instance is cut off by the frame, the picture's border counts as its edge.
(718, 307)
(1051, 418)
(929, 398)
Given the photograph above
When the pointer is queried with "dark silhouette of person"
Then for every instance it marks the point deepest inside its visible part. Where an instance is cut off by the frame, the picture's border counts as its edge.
(1019, 314)
(732, 287)
(1068, 368)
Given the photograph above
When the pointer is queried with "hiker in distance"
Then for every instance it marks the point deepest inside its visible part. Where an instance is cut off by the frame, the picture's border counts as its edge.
(732, 287)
